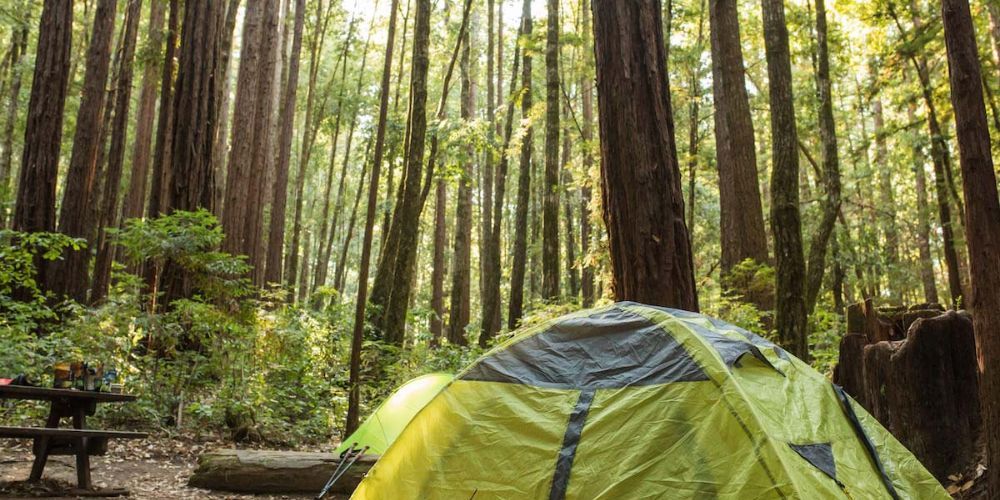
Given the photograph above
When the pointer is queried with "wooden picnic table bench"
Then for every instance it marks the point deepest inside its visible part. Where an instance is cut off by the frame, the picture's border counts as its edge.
(79, 440)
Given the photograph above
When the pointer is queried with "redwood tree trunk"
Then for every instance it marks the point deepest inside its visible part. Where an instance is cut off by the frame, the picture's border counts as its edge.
(438, 265)
(550, 196)
(461, 276)
(192, 135)
(69, 276)
(587, 134)
(135, 199)
(742, 218)
(357, 335)
(831, 164)
(164, 122)
(491, 307)
(982, 215)
(276, 236)
(516, 305)
(116, 159)
(643, 204)
(786, 224)
(926, 262)
(19, 45)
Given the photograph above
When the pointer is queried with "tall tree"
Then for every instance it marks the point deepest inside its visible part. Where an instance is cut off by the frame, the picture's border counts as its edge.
(489, 287)
(276, 236)
(651, 256)
(19, 46)
(831, 163)
(361, 303)
(461, 274)
(69, 276)
(926, 263)
(394, 280)
(310, 130)
(193, 127)
(116, 155)
(36, 191)
(888, 200)
(742, 218)
(142, 148)
(438, 265)
(550, 198)
(492, 308)
(940, 156)
(158, 195)
(587, 134)
(786, 224)
(982, 215)
(252, 157)
(516, 304)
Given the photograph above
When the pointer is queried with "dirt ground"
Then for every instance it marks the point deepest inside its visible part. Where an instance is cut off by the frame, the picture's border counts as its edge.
(156, 468)
(159, 468)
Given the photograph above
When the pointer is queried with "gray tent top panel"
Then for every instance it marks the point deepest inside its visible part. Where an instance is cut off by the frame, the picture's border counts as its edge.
(610, 348)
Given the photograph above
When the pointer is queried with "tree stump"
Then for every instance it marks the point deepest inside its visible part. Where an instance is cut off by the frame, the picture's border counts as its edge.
(876, 376)
(933, 393)
(849, 372)
(253, 471)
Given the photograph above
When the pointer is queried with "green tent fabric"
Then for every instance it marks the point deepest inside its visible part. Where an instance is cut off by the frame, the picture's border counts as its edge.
(633, 401)
(383, 426)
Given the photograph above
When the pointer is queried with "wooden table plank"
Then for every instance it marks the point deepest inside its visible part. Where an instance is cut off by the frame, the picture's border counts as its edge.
(50, 394)
(33, 432)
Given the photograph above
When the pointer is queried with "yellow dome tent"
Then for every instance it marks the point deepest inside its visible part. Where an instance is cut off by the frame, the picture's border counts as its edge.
(379, 430)
(632, 401)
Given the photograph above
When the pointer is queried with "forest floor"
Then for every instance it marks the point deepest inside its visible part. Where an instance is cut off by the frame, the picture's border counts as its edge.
(156, 468)
(159, 468)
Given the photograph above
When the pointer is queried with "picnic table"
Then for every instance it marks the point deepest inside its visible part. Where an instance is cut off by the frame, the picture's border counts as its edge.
(79, 440)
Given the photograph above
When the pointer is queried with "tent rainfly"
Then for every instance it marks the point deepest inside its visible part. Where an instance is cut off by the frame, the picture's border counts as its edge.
(634, 401)
(379, 430)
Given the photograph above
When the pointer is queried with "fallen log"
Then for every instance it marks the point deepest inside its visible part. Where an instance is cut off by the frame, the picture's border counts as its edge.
(260, 471)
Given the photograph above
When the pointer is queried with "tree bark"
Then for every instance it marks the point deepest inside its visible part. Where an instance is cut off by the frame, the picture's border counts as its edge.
(516, 304)
(192, 178)
(158, 195)
(439, 267)
(310, 129)
(550, 197)
(357, 335)
(786, 224)
(926, 262)
(142, 148)
(461, 276)
(19, 46)
(888, 202)
(276, 236)
(238, 196)
(643, 205)
(259, 471)
(338, 280)
(742, 218)
(587, 134)
(567, 195)
(490, 324)
(491, 309)
(36, 194)
(394, 280)
(69, 276)
(982, 215)
(831, 164)
(116, 156)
